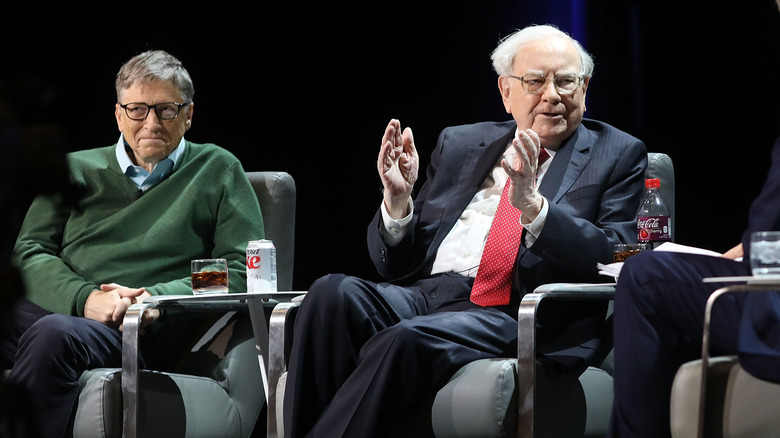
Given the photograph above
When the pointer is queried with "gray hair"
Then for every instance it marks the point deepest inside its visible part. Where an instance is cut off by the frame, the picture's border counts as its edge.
(504, 55)
(151, 66)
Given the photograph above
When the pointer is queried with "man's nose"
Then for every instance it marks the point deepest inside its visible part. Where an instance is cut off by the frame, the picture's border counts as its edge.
(551, 92)
(152, 119)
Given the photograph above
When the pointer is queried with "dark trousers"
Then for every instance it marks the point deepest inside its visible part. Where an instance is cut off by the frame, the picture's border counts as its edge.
(366, 355)
(658, 316)
(47, 353)
(53, 351)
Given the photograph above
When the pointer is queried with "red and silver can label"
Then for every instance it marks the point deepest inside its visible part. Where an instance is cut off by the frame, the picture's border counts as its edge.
(260, 266)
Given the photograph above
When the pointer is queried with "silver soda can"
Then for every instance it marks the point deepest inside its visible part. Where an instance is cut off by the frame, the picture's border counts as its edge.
(260, 266)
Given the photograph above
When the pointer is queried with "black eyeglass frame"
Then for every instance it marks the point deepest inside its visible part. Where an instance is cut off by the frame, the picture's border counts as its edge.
(149, 108)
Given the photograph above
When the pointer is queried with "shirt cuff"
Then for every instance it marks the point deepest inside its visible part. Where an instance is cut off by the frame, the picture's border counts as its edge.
(535, 228)
(394, 230)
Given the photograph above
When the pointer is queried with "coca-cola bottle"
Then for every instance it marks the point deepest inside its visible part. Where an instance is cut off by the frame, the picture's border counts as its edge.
(653, 224)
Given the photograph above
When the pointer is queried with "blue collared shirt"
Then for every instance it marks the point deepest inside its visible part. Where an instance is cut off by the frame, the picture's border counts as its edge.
(143, 179)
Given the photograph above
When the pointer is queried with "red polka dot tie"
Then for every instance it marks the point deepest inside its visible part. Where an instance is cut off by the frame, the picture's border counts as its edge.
(493, 285)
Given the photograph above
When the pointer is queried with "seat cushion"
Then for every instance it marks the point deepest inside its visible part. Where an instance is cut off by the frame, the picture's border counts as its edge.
(480, 401)
(685, 398)
(475, 402)
(597, 386)
(739, 405)
(179, 404)
(751, 406)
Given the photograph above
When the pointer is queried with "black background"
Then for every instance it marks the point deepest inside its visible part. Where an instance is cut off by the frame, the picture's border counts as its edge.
(309, 89)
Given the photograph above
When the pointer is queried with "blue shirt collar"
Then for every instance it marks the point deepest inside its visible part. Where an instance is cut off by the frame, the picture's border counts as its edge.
(140, 177)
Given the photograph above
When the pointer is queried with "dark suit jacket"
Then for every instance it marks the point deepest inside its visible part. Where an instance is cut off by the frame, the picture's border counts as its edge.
(593, 186)
(759, 341)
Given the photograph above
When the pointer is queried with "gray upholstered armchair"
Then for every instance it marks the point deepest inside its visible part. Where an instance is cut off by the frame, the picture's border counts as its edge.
(503, 397)
(715, 397)
(205, 398)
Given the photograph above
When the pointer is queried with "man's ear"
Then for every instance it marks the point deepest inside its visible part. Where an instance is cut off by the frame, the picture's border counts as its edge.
(504, 89)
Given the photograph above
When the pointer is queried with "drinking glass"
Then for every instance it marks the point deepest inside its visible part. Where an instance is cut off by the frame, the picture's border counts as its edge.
(765, 253)
(626, 250)
(209, 276)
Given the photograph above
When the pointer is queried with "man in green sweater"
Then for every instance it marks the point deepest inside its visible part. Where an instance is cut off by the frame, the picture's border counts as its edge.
(148, 205)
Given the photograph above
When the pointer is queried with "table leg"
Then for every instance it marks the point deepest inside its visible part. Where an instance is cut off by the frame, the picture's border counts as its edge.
(260, 329)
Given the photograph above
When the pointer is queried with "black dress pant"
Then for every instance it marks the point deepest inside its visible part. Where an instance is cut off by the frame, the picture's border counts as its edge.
(658, 316)
(48, 352)
(366, 355)
(53, 351)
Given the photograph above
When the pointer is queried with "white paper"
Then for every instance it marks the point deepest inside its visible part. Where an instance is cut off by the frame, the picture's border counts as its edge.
(613, 269)
(610, 270)
(676, 247)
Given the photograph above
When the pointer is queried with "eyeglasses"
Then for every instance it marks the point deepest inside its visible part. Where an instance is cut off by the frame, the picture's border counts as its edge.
(536, 84)
(164, 111)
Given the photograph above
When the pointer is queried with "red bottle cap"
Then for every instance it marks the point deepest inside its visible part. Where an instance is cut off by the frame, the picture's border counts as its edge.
(652, 183)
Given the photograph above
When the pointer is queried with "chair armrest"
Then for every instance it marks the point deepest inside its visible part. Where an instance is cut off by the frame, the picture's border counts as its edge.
(131, 325)
(280, 327)
(526, 339)
(588, 289)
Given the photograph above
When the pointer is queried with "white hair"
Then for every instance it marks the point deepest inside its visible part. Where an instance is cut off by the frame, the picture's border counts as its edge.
(503, 56)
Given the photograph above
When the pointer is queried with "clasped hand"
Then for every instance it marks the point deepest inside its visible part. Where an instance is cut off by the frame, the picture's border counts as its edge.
(398, 166)
(522, 173)
(109, 304)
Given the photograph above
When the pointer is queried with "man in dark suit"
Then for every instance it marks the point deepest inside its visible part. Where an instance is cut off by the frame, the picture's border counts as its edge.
(365, 355)
(659, 312)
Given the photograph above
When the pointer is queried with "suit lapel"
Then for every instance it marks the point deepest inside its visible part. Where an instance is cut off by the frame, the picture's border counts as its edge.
(476, 162)
(567, 166)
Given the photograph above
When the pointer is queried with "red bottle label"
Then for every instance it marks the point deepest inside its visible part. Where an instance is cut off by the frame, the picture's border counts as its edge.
(653, 228)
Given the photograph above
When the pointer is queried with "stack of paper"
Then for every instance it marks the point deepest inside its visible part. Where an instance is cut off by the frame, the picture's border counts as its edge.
(613, 269)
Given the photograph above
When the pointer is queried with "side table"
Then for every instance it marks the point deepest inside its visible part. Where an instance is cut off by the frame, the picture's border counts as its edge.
(253, 302)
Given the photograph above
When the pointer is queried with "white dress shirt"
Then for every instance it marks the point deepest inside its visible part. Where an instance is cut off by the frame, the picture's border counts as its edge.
(461, 249)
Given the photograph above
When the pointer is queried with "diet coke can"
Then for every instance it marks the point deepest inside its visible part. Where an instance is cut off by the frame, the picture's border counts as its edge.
(260, 266)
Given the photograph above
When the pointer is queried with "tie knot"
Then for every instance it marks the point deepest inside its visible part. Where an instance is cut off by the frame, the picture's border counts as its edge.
(543, 156)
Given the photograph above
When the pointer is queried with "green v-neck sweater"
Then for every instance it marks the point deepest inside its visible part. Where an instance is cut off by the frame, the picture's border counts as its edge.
(205, 208)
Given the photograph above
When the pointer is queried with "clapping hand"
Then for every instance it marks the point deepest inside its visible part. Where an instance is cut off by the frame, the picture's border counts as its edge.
(522, 174)
(398, 165)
